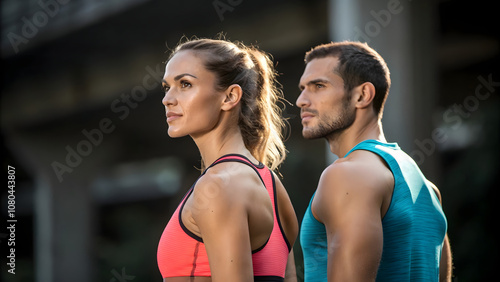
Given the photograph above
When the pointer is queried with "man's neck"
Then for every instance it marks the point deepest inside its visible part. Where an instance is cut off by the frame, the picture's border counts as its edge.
(343, 142)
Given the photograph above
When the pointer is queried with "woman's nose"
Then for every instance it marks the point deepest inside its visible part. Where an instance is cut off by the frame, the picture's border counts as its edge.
(168, 99)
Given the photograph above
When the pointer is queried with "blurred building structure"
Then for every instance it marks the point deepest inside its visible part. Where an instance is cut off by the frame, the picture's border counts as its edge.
(98, 177)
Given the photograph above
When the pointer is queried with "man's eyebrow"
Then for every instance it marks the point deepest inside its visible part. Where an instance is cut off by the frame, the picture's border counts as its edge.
(314, 81)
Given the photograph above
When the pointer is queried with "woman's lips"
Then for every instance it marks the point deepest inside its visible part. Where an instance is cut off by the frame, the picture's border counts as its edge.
(171, 116)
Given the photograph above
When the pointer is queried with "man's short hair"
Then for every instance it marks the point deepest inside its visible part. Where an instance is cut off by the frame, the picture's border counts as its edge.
(358, 63)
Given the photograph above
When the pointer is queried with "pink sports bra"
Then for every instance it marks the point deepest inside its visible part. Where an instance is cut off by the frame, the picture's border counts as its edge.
(182, 254)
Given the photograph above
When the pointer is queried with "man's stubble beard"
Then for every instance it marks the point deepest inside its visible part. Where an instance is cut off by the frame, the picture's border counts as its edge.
(330, 127)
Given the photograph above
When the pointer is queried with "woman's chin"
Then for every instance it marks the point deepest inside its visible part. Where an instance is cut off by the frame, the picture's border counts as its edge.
(174, 133)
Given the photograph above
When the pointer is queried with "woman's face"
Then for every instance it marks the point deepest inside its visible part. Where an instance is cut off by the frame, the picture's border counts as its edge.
(192, 103)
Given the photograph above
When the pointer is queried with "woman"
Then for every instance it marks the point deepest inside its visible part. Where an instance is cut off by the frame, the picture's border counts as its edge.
(236, 223)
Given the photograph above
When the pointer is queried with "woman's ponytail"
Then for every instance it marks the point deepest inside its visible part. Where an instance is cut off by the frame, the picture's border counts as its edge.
(271, 146)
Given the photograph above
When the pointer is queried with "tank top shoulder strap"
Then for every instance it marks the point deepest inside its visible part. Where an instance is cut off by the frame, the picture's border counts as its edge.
(372, 145)
(259, 168)
(236, 158)
(384, 150)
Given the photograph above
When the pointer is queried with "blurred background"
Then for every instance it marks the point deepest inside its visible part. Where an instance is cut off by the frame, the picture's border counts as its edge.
(97, 177)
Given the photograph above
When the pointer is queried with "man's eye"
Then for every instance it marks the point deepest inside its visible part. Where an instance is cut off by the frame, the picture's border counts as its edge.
(318, 85)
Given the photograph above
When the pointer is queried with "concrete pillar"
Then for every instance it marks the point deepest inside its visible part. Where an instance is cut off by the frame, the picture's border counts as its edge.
(63, 213)
(402, 31)
(64, 230)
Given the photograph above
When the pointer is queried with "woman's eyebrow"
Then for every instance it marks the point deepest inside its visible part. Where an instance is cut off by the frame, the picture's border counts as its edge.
(182, 75)
(176, 78)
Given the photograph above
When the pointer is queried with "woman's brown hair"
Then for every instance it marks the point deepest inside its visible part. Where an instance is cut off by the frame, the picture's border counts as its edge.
(260, 118)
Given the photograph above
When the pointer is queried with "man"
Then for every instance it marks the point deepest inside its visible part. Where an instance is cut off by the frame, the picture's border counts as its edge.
(374, 216)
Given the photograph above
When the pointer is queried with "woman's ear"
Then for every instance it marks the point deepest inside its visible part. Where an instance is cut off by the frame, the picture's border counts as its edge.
(365, 94)
(232, 97)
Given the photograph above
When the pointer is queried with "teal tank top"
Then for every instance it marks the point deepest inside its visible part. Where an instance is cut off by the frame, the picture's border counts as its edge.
(414, 226)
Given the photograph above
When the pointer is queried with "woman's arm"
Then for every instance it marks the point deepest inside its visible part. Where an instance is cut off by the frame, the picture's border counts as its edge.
(290, 225)
(222, 218)
(291, 273)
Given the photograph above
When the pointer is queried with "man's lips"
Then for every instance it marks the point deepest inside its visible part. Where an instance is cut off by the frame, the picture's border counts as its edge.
(305, 116)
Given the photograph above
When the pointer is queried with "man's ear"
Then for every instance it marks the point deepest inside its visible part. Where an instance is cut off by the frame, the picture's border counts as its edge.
(365, 93)
(232, 97)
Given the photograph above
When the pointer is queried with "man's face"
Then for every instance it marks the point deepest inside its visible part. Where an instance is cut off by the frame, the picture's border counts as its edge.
(325, 107)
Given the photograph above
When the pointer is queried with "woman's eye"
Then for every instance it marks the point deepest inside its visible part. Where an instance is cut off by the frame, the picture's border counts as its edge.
(165, 88)
(185, 84)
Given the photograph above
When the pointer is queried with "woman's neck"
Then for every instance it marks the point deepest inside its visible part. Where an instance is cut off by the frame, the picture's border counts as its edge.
(216, 143)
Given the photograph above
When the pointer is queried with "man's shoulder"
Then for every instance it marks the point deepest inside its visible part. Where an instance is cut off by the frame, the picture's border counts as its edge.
(361, 171)
(359, 165)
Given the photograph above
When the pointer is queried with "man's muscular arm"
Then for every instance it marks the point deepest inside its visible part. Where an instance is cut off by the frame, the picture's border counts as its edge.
(445, 264)
(348, 202)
